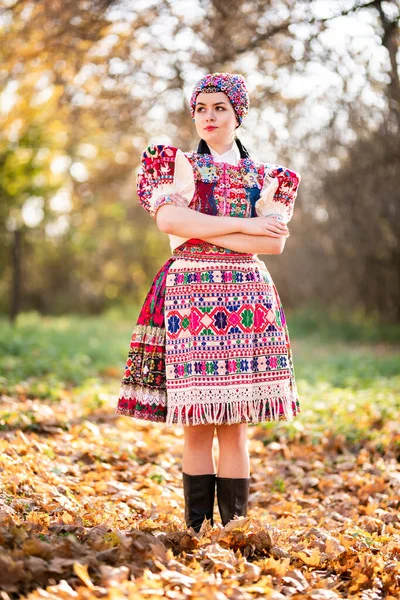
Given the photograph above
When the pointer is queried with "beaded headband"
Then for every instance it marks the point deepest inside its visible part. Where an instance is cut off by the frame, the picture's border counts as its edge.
(233, 85)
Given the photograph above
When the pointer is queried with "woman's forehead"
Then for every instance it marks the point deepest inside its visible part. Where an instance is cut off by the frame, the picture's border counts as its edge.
(211, 98)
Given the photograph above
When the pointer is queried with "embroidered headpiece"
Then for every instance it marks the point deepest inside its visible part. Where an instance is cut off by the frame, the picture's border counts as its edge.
(233, 85)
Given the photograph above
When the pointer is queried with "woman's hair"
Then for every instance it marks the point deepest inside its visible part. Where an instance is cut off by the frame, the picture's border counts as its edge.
(203, 148)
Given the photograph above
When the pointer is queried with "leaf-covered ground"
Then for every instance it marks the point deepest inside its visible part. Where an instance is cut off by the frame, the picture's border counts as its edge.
(91, 503)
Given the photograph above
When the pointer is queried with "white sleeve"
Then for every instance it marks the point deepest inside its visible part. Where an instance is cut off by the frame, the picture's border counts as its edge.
(184, 184)
(265, 202)
(184, 177)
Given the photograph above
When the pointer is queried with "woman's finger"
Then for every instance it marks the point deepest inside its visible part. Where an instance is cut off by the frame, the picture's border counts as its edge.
(178, 195)
(177, 199)
(279, 224)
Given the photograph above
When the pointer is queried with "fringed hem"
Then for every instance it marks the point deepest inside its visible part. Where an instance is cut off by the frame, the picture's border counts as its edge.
(229, 413)
(151, 405)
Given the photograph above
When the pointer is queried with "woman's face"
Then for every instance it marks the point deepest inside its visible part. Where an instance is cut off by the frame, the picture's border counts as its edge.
(214, 118)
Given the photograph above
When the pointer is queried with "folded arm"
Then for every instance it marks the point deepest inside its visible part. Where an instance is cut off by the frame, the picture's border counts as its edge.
(189, 223)
(253, 244)
(182, 221)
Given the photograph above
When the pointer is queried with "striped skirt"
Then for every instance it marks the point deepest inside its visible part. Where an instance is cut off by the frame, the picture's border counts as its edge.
(211, 344)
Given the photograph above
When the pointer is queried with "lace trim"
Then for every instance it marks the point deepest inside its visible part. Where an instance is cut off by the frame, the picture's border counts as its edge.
(195, 406)
(142, 395)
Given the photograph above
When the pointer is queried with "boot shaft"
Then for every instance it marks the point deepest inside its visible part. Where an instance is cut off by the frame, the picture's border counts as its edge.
(233, 496)
(199, 495)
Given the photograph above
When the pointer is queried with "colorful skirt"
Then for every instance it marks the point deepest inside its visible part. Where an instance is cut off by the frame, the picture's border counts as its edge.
(211, 344)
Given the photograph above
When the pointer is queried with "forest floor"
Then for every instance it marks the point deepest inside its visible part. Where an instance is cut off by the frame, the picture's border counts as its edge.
(91, 503)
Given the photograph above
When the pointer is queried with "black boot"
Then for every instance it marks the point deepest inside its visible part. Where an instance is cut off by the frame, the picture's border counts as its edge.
(233, 496)
(199, 494)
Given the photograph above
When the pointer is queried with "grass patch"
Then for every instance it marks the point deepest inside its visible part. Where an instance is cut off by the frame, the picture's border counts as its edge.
(313, 322)
(50, 353)
(348, 377)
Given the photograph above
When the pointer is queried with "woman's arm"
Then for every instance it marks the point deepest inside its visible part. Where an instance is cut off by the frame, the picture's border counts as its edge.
(253, 244)
(185, 222)
(176, 219)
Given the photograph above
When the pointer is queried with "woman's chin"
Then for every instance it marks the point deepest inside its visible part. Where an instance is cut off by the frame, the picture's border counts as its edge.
(211, 135)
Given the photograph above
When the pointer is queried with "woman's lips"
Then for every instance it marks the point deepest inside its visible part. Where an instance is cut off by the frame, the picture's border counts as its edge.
(210, 128)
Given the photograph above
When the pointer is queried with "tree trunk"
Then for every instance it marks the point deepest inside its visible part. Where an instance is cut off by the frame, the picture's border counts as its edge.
(389, 41)
(15, 300)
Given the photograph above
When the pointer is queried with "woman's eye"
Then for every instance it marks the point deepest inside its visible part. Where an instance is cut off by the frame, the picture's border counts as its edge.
(201, 108)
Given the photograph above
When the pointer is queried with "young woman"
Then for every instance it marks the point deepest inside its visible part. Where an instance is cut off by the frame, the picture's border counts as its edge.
(211, 348)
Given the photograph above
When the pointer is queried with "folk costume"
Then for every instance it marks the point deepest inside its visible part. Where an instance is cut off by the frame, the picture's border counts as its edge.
(211, 344)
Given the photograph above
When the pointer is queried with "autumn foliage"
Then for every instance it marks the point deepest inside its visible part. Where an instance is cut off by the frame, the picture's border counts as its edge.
(91, 503)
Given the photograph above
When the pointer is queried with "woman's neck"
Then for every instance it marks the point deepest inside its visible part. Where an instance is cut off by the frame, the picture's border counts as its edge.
(221, 148)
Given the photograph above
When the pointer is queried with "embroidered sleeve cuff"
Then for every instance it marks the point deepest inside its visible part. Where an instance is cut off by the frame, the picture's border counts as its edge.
(159, 202)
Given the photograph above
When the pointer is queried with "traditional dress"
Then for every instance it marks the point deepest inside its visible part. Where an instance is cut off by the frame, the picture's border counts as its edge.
(211, 344)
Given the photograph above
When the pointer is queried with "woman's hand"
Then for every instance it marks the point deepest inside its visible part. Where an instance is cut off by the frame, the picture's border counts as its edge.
(268, 226)
(178, 200)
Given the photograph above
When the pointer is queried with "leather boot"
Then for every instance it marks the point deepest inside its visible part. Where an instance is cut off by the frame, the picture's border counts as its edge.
(199, 494)
(233, 496)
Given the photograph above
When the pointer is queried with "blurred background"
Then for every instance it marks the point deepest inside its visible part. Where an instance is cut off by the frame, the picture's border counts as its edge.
(86, 85)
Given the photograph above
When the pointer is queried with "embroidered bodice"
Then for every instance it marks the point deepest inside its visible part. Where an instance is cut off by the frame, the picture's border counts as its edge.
(246, 189)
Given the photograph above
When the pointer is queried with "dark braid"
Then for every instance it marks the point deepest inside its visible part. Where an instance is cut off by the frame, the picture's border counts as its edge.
(203, 148)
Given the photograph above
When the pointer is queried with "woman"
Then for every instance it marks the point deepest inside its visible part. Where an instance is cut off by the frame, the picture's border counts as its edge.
(211, 349)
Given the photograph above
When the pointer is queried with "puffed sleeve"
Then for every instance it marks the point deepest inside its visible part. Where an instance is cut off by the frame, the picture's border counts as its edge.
(164, 170)
(278, 193)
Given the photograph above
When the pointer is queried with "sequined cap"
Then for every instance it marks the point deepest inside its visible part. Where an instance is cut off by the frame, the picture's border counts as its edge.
(233, 85)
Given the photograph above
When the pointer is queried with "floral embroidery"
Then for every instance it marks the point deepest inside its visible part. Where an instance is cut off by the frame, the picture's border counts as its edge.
(220, 188)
